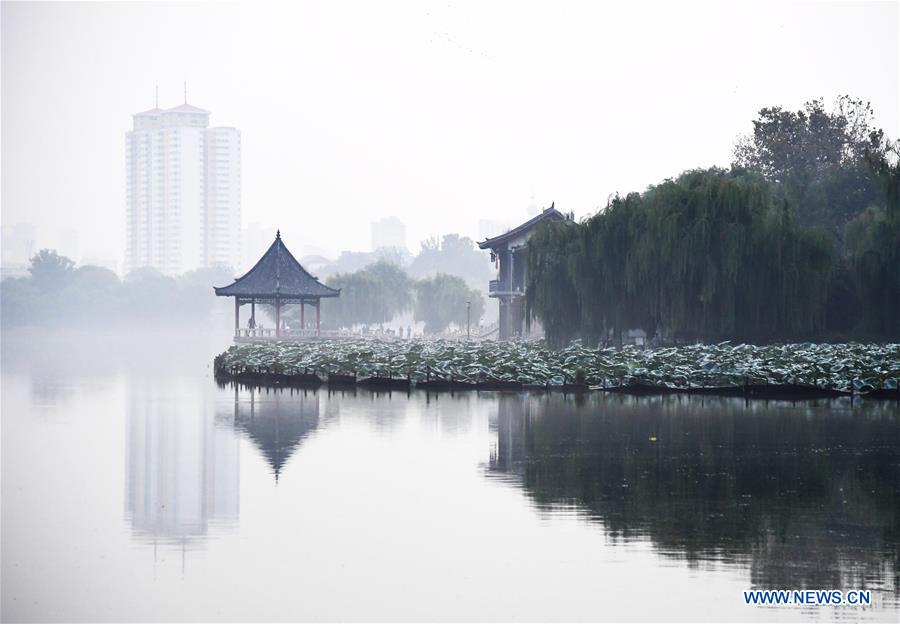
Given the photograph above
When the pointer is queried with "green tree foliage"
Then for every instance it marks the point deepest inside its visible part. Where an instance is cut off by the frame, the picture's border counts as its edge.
(352, 261)
(451, 253)
(711, 255)
(873, 245)
(372, 295)
(92, 292)
(817, 158)
(382, 291)
(800, 239)
(149, 294)
(194, 290)
(441, 300)
(455, 255)
(49, 269)
(553, 258)
(58, 293)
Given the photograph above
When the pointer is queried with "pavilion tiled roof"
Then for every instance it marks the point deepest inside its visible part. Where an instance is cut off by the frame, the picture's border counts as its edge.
(277, 274)
(550, 213)
(278, 435)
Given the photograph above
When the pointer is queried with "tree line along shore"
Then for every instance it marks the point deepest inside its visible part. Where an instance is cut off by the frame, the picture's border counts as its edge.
(798, 240)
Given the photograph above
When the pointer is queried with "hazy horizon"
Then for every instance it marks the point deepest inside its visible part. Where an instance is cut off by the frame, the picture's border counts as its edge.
(439, 114)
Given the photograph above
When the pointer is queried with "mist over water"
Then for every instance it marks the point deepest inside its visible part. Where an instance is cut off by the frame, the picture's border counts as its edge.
(396, 195)
(136, 488)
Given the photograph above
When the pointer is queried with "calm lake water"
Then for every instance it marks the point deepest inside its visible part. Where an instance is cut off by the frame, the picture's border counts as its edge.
(135, 488)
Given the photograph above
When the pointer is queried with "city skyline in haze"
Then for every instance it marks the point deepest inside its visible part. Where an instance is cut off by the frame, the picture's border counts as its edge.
(443, 115)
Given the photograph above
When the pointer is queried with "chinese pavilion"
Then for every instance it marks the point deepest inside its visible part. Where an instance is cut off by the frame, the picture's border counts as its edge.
(277, 279)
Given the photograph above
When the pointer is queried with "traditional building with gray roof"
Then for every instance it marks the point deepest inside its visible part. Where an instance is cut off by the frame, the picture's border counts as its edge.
(508, 254)
(277, 279)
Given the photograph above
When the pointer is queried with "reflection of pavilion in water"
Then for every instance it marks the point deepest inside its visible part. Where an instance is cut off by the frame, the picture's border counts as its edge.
(277, 421)
(182, 467)
(801, 500)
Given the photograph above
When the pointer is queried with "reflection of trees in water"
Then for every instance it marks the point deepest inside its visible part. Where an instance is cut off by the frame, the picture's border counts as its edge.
(276, 420)
(385, 409)
(810, 495)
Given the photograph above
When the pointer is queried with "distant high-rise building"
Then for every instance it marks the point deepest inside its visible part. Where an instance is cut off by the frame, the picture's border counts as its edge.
(183, 184)
(388, 232)
(256, 240)
(488, 228)
(18, 244)
(69, 245)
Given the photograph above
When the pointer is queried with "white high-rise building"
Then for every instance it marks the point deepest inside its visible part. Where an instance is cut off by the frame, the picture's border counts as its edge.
(183, 184)
(389, 232)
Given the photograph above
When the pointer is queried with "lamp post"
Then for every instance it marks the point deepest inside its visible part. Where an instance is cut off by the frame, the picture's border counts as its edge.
(468, 320)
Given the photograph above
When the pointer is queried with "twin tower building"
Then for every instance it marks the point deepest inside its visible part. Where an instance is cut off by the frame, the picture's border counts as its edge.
(183, 192)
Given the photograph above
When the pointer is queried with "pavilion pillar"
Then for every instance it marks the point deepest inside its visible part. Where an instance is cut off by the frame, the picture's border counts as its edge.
(302, 315)
(277, 317)
(237, 315)
(318, 317)
(253, 311)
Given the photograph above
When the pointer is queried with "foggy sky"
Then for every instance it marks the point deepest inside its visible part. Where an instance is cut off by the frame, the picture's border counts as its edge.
(441, 114)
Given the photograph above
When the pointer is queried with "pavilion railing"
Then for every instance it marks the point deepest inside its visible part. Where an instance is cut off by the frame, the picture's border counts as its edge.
(268, 333)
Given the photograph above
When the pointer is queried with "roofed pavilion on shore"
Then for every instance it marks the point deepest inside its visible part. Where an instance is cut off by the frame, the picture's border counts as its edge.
(277, 279)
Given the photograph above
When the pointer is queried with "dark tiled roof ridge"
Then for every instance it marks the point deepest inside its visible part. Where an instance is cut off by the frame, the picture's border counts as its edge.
(267, 279)
(547, 213)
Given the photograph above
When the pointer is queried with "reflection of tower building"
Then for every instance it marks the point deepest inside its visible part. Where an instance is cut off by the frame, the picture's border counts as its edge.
(512, 421)
(182, 470)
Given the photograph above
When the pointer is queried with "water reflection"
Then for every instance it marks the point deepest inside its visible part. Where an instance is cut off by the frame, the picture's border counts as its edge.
(583, 510)
(807, 497)
(182, 466)
(277, 421)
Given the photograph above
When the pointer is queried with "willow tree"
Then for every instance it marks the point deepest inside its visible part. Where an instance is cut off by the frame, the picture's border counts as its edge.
(444, 299)
(550, 290)
(372, 295)
(873, 241)
(711, 255)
